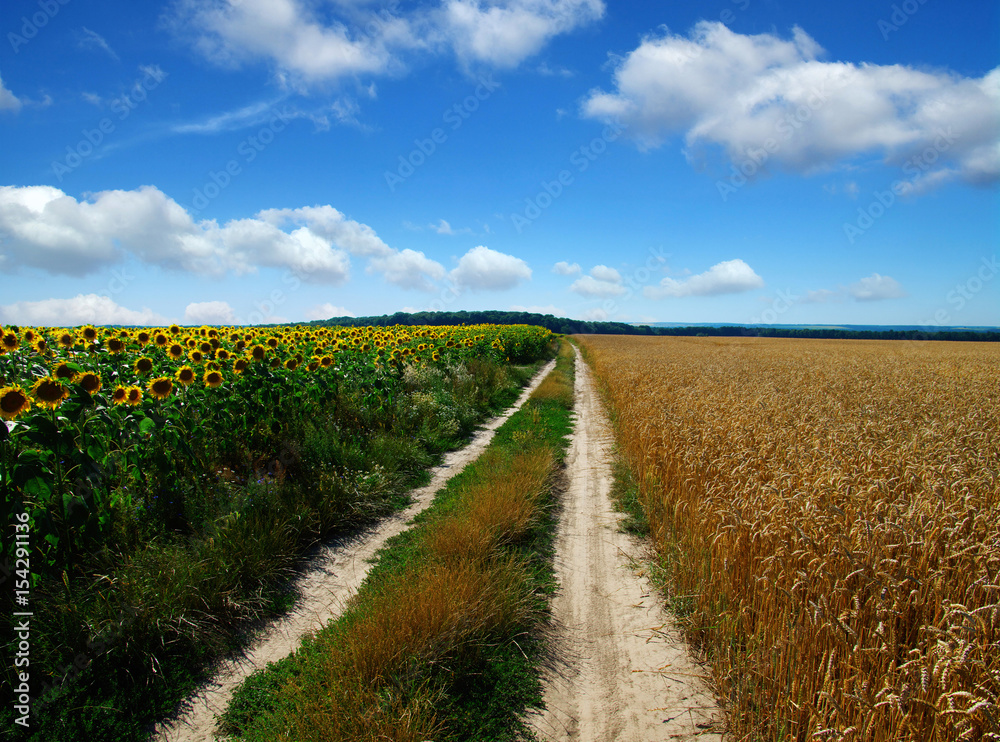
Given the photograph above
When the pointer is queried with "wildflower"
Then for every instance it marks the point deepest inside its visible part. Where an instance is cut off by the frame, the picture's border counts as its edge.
(160, 387)
(90, 382)
(213, 379)
(185, 375)
(49, 392)
(119, 395)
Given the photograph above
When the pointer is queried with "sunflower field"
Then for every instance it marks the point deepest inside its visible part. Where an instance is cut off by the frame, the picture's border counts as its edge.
(171, 476)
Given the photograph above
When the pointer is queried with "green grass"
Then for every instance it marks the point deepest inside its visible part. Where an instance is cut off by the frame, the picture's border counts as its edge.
(442, 640)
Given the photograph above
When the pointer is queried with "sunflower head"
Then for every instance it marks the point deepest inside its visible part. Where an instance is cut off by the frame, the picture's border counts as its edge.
(143, 338)
(205, 347)
(291, 364)
(258, 352)
(222, 354)
(272, 342)
(326, 361)
(239, 365)
(143, 366)
(133, 395)
(160, 387)
(185, 375)
(42, 347)
(67, 340)
(9, 342)
(160, 339)
(65, 372)
(196, 356)
(213, 379)
(90, 382)
(116, 345)
(49, 392)
(176, 351)
(89, 333)
(14, 401)
(174, 330)
(119, 395)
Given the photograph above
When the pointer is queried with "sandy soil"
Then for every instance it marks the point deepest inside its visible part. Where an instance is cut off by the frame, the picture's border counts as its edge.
(621, 670)
(333, 575)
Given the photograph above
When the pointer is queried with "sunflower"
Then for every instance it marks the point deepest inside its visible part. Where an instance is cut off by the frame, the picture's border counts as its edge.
(160, 339)
(222, 355)
(88, 333)
(212, 366)
(239, 365)
(67, 340)
(176, 351)
(119, 395)
(196, 356)
(313, 365)
(205, 347)
(28, 336)
(291, 364)
(174, 330)
(185, 375)
(13, 402)
(65, 372)
(143, 338)
(258, 352)
(160, 387)
(134, 395)
(90, 382)
(9, 342)
(143, 366)
(272, 342)
(326, 361)
(49, 392)
(213, 379)
(42, 347)
(116, 345)
(275, 362)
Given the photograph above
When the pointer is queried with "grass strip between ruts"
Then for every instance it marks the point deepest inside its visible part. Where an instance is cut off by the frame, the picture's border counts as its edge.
(442, 642)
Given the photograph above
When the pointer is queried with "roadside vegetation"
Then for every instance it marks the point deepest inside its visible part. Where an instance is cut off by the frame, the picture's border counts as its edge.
(443, 639)
(827, 520)
(172, 477)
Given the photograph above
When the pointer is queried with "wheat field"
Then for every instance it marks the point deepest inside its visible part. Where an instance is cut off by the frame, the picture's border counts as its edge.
(828, 518)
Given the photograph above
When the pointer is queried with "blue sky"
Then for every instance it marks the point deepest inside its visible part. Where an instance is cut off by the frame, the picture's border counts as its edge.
(284, 160)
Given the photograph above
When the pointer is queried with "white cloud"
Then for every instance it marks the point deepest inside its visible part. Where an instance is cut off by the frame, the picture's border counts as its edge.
(727, 277)
(409, 269)
(595, 315)
(8, 101)
(488, 270)
(602, 282)
(563, 268)
(503, 33)
(44, 228)
(80, 310)
(88, 39)
(443, 227)
(739, 91)
(876, 288)
(590, 286)
(209, 313)
(547, 309)
(326, 311)
(820, 296)
(309, 43)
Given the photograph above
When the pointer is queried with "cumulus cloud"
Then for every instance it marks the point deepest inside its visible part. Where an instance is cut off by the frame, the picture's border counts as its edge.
(350, 40)
(602, 282)
(876, 288)
(409, 269)
(8, 101)
(80, 310)
(209, 313)
(727, 277)
(483, 269)
(42, 227)
(740, 92)
(503, 33)
(326, 311)
(563, 268)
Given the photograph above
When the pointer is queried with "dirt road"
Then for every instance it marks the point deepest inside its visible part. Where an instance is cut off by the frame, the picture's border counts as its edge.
(622, 671)
(333, 576)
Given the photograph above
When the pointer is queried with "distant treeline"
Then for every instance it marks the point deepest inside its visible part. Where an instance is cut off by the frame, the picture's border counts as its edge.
(582, 327)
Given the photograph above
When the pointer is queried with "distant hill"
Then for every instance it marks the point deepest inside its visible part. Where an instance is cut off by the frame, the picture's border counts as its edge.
(567, 326)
